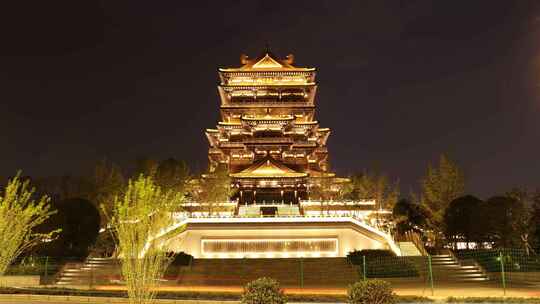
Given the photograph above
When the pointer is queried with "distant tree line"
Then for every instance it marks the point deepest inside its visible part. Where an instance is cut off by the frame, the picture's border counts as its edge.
(441, 212)
(446, 216)
(81, 204)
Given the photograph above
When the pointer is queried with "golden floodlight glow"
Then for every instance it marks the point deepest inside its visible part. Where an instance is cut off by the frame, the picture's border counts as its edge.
(271, 247)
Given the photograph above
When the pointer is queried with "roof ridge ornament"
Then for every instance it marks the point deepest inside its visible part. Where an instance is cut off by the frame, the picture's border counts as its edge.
(244, 59)
(267, 62)
(289, 59)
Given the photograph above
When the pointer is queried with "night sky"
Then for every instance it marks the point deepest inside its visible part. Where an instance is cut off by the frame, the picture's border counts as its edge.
(399, 82)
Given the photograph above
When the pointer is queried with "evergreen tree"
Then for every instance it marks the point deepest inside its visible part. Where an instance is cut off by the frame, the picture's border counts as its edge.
(439, 187)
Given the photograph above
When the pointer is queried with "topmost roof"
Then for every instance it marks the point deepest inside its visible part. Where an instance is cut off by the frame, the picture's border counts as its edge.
(266, 62)
(268, 167)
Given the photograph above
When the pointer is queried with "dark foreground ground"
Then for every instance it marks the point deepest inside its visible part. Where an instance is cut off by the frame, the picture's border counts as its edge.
(485, 293)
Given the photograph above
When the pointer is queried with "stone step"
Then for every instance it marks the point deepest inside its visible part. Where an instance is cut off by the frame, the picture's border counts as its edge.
(469, 276)
(447, 268)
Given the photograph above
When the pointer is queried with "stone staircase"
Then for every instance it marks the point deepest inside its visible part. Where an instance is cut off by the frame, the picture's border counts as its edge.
(408, 249)
(90, 272)
(291, 272)
(447, 268)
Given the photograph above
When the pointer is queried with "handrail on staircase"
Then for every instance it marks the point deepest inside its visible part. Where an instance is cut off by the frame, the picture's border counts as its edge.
(413, 237)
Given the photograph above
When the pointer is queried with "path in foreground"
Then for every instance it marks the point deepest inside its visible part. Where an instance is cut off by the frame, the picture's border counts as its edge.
(440, 292)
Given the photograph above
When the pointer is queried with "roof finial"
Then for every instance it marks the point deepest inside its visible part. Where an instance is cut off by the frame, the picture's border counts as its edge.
(267, 47)
(244, 59)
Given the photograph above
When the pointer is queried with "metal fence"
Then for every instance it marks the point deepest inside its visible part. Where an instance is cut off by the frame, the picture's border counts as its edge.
(496, 269)
(501, 269)
(47, 268)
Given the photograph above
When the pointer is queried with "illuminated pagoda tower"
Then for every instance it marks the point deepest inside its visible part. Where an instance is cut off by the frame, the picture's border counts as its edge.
(271, 147)
(268, 138)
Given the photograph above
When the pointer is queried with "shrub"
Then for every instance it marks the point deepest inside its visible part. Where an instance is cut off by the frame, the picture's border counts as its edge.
(178, 260)
(371, 292)
(263, 291)
(383, 263)
(355, 256)
(29, 265)
(181, 259)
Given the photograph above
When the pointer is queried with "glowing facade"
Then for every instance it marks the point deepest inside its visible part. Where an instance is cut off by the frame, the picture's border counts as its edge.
(268, 138)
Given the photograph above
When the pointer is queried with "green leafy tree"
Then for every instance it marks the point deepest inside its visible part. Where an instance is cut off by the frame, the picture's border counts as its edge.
(409, 215)
(465, 220)
(214, 188)
(65, 187)
(375, 186)
(325, 190)
(172, 174)
(109, 182)
(20, 213)
(79, 219)
(168, 174)
(506, 216)
(146, 166)
(138, 215)
(439, 187)
(534, 221)
(521, 216)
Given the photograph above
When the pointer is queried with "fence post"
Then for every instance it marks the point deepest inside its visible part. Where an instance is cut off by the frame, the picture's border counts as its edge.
(430, 271)
(91, 283)
(503, 275)
(46, 274)
(364, 267)
(301, 273)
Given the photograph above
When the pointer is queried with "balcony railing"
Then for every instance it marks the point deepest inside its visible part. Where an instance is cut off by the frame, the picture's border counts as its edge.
(264, 140)
(267, 103)
(226, 144)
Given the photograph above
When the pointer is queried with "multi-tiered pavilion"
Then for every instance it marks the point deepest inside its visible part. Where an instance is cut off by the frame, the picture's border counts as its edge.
(268, 137)
(274, 151)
